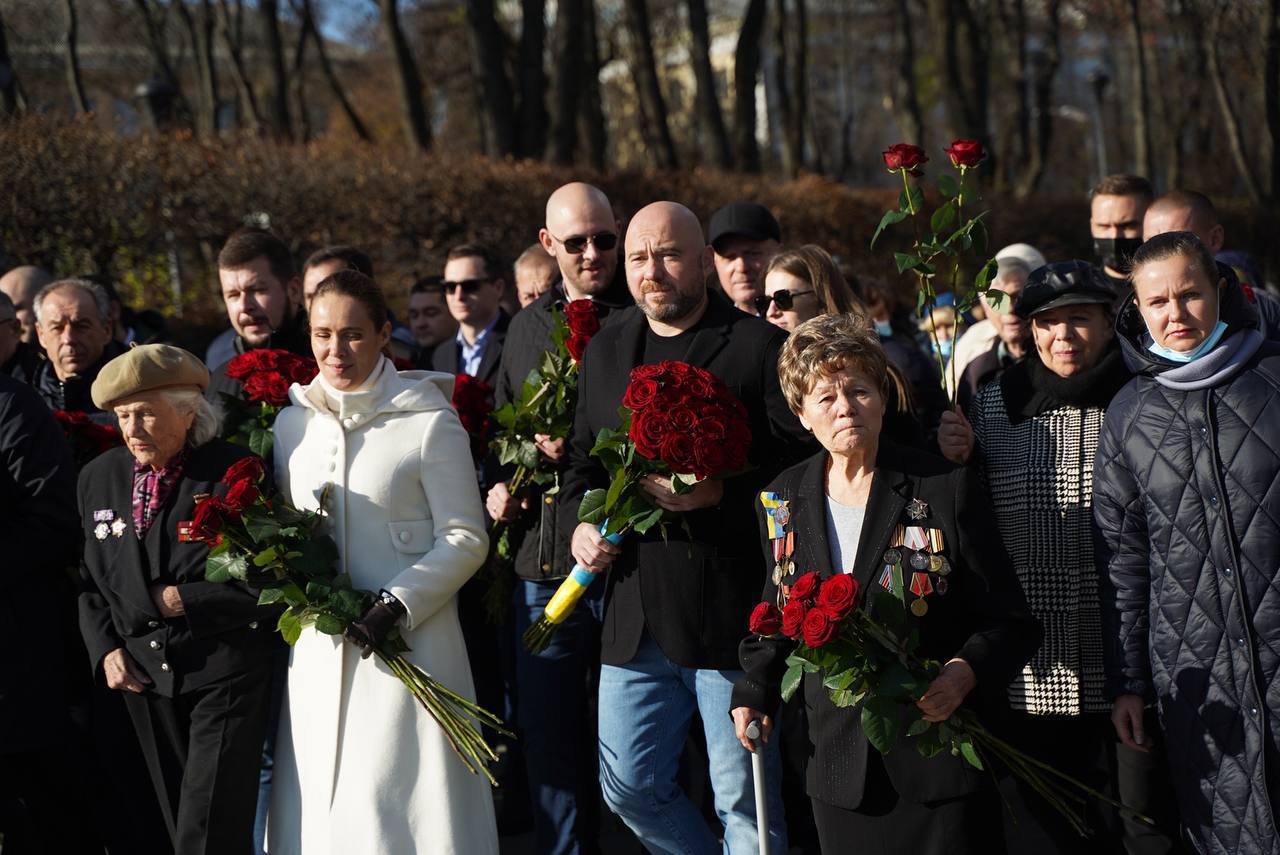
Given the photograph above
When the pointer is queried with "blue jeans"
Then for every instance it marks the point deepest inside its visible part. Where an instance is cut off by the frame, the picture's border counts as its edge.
(645, 710)
(554, 690)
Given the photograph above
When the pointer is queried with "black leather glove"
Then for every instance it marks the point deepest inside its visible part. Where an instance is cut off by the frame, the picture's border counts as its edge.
(372, 627)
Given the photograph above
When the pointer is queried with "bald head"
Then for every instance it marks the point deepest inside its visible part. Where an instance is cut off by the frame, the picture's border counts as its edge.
(21, 285)
(1185, 211)
(581, 234)
(667, 261)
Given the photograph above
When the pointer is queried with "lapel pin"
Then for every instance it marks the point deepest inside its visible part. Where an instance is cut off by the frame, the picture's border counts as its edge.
(118, 527)
(101, 530)
(917, 509)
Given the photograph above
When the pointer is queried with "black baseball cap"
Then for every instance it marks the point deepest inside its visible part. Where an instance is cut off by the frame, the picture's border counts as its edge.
(1063, 283)
(744, 219)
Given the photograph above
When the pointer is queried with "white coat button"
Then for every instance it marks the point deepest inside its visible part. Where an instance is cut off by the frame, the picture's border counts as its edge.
(404, 536)
(355, 417)
(348, 422)
(332, 467)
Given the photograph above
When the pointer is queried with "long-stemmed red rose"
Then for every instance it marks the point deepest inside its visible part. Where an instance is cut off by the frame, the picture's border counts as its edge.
(266, 376)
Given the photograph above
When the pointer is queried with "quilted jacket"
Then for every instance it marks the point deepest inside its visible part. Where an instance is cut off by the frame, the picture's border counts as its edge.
(1187, 512)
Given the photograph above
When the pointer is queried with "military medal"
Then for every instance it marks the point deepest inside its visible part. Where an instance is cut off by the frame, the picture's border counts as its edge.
(915, 538)
(921, 585)
(777, 517)
(886, 578)
(918, 561)
(917, 509)
(936, 563)
(118, 527)
(898, 536)
(104, 515)
(892, 556)
(942, 587)
(101, 530)
(937, 543)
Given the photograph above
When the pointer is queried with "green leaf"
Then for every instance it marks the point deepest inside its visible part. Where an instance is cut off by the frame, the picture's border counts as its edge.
(918, 727)
(262, 529)
(897, 683)
(943, 217)
(270, 595)
(350, 604)
(906, 261)
(260, 443)
(317, 590)
(329, 624)
(880, 722)
(648, 521)
(225, 567)
(528, 455)
(791, 681)
(313, 557)
(293, 594)
(266, 556)
(929, 744)
(985, 277)
(889, 219)
(947, 185)
(289, 626)
(979, 234)
(616, 486)
(591, 508)
(970, 753)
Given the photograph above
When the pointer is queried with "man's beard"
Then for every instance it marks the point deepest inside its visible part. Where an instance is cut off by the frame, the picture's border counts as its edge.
(683, 306)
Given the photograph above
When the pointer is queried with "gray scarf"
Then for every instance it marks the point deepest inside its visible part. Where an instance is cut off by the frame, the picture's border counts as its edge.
(1216, 366)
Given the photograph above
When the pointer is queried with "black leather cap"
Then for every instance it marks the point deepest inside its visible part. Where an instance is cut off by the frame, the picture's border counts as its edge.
(1063, 283)
(744, 219)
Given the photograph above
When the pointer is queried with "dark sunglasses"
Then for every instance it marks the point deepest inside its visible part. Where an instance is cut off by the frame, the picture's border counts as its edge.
(784, 298)
(576, 245)
(468, 286)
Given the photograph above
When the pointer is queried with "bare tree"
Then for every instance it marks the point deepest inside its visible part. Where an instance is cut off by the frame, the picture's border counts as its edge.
(591, 116)
(1271, 92)
(788, 110)
(306, 16)
(715, 136)
(280, 118)
(74, 81)
(416, 129)
(1230, 118)
(229, 24)
(298, 86)
(906, 99)
(488, 57)
(200, 33)
(1141, 100)
(531, 135)
(569, 40)
(154, 24)
(11, 99)
(644, 68)
(746, 68)
(1043, 71)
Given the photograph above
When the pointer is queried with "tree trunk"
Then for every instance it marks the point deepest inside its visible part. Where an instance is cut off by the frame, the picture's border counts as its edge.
(1141, 100)
(200, 33)
(800, 82)
(74, 82)
(1230, 121)
(488, 59)
(531, 137)
(160, 57)
(308, 21)
(1042, 83)
(715, 136)
(280, 118)
(910, 116)
(791, 141)
(249, 112)
(592, 113)
(569, 40)
(416, 129)
(298, 86)
(746, 68)
(1271, 93)
(1013, 30)
(648, 86)
(11, 100)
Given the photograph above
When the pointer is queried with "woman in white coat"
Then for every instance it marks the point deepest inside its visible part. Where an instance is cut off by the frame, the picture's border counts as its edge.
(360, 768)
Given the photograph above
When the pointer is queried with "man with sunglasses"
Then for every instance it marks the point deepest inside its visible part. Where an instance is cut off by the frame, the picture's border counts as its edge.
(581, 240)
(473, 289)
(744, 236)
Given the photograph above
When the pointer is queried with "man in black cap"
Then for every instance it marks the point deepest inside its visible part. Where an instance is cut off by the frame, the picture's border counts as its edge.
(744, 236)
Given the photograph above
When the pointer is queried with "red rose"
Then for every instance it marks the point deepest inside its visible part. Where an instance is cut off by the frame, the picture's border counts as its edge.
(677, 452)
(641, 392)
(247, 364)
(269, 387)
(904, 156)
(583, 318)
(765, 619)
(651, 372)
(712, 427)
(682, 418)
(965, 153)
(648, 429)
(793, 618)
(838, 594)
(242, 494)
(577, 346)
(710, 458)
(805, 586)
(251, 469)
(818, 628)
(208, 520)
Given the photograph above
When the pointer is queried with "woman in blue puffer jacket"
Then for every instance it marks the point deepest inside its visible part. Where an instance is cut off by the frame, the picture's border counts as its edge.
(1187, 509)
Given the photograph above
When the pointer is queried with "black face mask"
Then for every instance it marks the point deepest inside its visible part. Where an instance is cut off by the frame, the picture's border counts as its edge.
(1116, 253)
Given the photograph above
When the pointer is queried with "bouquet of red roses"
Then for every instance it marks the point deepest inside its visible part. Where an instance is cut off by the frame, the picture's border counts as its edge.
(285, 554)
(266, 376)
(473, 399)
(678, 421)
(872, 661)
(86, 437)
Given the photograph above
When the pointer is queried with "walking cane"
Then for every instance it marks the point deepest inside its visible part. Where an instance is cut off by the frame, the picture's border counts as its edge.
(762, 796)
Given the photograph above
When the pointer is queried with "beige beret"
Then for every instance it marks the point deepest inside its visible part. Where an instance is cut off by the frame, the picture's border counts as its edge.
(146, 368)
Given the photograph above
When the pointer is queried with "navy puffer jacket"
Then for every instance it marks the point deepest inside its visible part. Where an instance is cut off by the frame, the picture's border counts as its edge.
(1187, 509)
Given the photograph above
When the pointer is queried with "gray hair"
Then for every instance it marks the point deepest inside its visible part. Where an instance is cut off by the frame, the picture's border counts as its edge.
(99, 295)
(208, 422)
(1014, 269)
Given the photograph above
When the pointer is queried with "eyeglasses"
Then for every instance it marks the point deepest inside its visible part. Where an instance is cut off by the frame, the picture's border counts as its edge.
(468, 286)
(784, 298)
(576, 245)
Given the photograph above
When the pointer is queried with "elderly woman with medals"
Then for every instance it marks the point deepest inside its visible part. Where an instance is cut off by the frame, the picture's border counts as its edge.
(918, 527)
(192, 657)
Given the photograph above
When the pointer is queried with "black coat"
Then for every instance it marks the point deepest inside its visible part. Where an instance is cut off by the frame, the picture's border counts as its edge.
(983, 618)
(39, 539)
(1187, 510)
(73, 394)
(538, 541)
(224, 631)
(24, 363)
(294, 336)
(691, 595)
(448, 354)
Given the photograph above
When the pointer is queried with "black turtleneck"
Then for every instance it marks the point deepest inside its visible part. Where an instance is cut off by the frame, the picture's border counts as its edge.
(1029, 388)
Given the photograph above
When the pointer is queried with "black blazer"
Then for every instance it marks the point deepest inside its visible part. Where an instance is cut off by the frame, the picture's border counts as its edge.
(223, 632)
(691, 595)
(447, 355)
(983, 618)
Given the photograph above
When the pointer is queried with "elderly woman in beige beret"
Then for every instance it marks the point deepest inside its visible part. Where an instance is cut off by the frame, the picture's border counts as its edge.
(191, 657)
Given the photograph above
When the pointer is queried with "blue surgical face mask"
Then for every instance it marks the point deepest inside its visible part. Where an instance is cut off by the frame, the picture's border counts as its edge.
(943, 348)
(884, 328)
(1191, 355)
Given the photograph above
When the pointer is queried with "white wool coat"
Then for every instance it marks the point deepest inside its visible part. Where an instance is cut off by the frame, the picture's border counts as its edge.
(360, 767)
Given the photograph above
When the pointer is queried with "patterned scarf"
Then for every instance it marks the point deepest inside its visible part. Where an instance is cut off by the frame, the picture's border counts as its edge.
(151, 490)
